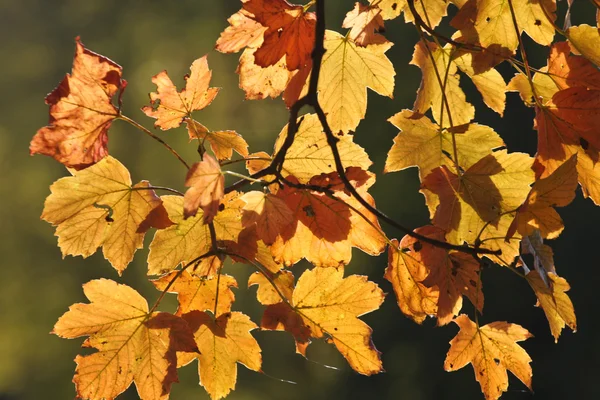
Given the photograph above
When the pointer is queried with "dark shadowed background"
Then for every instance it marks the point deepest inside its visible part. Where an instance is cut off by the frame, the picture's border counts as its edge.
(147, 36)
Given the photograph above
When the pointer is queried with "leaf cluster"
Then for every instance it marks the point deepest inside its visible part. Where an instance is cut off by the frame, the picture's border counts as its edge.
(487, 205)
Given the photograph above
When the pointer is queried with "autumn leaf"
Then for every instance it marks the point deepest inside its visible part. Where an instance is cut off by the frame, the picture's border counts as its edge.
(365, 23)
(569, 70)
(406, 272)
(488, 81)
(543, 256)
(222, 143)
(452, 274)
(81, 111)
(390, 9)
(491, 23)
(439, 89)
(431, 11)
(266, 293)
(196, 293)
(329, 306)
(270, 214)
(492, 349)
(346, 73)
(133, 345)
(285, 29)
(98, 206)
(222, 342)
(310, 154)
(556, 190)
(324, 229)
(555, 302)
(243, 31)
(480, 203)
(261, 82)
(170, 107)
(584, 38)
(189, 239)
(424, 144)
(206, 189)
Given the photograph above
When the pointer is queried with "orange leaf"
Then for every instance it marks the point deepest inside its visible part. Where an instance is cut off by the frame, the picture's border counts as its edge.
(222, 143)
(405, 272)
(329, 306)
(365, 23)
(492, 350)
(81, 111)
(323, 229)
(556, 190)
(223, 342)
(268, 212)
(554, 301)
(196, 293)
(290, 32)
(481, 202)
(206, 189)
(133, 345)
(170, 107)
(99, 207)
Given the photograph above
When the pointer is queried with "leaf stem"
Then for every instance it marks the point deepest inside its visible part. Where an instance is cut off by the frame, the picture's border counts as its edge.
(153, 136)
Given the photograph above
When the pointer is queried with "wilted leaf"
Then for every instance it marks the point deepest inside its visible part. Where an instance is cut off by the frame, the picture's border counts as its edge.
(206, 189)
(170, 107)
(81, 111)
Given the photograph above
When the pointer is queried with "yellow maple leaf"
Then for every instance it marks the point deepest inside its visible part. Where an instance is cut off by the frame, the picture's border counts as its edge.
(133, 345)
(346, 73)
(585, 39)
(189, 238)
(424, 144)
(405, 273)
(266, 293)
(440, 90)
(310, 155)
(98, 206)
(555, 302)
(327, 305)
(481, 202)
(364, 22)
(223, 342)
(493, 26)
(492, 350)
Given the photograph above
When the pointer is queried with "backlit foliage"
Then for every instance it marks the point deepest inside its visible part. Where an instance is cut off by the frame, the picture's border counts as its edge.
(310, 195)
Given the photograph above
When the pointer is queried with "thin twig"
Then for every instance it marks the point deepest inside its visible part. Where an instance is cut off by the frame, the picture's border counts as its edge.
(153, 136)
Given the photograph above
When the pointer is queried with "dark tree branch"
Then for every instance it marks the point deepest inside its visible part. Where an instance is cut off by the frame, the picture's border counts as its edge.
(311, 99)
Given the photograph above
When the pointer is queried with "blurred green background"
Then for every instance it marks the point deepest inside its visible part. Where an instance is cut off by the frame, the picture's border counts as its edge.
(147, 36)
